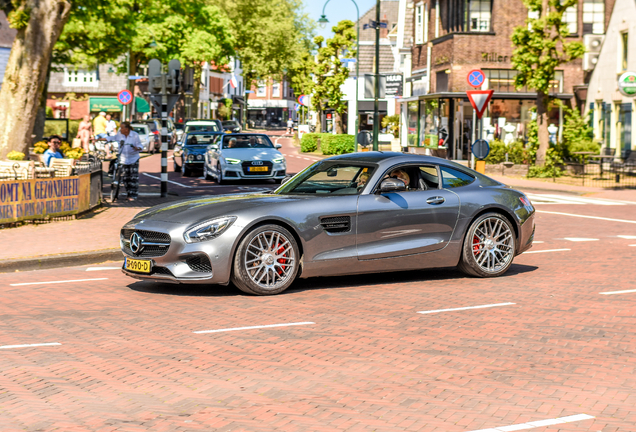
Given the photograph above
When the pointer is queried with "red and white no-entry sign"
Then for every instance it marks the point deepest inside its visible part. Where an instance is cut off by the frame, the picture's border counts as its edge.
(479, 100)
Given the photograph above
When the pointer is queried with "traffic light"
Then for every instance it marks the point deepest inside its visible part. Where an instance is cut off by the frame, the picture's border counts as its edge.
(174, 75)
(154, 76)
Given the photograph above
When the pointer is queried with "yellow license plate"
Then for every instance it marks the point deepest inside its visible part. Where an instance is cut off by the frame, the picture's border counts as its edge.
(139, 266)
(257, 168)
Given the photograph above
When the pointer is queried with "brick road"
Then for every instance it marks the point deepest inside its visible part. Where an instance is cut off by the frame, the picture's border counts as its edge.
(129, 360)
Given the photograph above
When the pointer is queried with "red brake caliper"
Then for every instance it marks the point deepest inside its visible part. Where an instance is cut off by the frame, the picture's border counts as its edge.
(280, 260)
(475, 245)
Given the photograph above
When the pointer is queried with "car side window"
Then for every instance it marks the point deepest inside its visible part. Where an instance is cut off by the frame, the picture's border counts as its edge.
(452, 178)
(429, 177)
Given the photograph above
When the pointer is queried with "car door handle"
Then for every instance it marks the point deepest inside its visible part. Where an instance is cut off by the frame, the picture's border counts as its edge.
(435, 200)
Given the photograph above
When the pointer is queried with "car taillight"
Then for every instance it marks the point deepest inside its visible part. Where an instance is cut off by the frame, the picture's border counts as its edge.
(156, 132)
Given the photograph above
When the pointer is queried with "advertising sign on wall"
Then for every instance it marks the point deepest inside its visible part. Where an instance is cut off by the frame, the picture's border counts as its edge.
(41, 198)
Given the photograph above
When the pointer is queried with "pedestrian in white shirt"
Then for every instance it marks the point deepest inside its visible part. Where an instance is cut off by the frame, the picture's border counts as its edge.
(111, 126)
(129, 148)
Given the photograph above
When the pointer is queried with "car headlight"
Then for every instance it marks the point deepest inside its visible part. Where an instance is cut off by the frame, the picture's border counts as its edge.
(190, 157)
(208, 230)
(199, 157)
(232, 161)
(279, 160)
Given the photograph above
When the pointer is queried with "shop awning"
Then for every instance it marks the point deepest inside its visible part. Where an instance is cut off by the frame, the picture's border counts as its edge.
(141, 105)
(106, 104)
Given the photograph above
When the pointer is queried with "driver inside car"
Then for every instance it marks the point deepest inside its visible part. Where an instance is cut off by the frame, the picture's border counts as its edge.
(400, 174)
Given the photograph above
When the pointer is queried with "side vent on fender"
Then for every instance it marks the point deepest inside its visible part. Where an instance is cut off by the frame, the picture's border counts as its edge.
(338, 224)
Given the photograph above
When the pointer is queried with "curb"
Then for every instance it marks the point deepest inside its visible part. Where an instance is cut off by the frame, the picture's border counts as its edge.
(62, 260)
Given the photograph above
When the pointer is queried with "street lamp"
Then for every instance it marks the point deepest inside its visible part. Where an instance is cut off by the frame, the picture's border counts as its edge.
(323, 23)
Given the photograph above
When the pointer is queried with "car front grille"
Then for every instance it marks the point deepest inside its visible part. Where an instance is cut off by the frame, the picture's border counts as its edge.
(199, 263)
(159, 248)
(248, 164)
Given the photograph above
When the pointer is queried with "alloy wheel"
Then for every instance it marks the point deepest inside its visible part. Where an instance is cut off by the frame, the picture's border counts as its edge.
(270, 259)
(492, 245)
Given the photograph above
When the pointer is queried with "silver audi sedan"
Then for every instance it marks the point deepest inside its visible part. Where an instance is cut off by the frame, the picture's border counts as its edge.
(244, 156)
(357, 213)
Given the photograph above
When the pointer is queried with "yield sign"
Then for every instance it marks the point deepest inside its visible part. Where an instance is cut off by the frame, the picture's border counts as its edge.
(479, 100)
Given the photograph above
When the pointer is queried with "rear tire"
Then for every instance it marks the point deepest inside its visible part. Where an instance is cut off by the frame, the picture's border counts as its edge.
(489, 246)
(266, 261)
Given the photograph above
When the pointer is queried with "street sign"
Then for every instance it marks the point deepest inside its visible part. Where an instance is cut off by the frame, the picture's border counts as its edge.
(394, 85)
(627, 84)
(480, 149)
(136, 77)
(475, 78)
(479, 100)
(303, 100)
(347, 60)
(124, 97)
(364, 138)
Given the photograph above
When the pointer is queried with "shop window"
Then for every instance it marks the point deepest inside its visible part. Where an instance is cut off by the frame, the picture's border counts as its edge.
(412, 119)
(479, 14)
(623, 52)
(261, 91)
(80, 78)
(571, 18)
(503, 80)
(429, 123)
(593, 16)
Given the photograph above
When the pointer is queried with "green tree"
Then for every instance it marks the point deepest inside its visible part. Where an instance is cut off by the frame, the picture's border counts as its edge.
(541, 47)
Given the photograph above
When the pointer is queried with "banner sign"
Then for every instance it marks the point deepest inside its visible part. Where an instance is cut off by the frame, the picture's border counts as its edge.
(394, 85)
(41, 198)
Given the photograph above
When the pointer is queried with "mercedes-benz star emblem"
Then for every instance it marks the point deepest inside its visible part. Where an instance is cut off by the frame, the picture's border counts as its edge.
(136, 243)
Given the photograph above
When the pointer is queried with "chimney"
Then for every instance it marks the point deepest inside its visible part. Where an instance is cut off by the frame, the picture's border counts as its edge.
(384, 32)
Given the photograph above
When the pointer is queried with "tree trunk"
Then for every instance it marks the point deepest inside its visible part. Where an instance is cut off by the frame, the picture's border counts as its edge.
(26, 71)
(542, 122)
(196, 86)
(338, 122)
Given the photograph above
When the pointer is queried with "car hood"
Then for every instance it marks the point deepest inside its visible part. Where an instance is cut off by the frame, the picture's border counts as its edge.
(195, 149)
(200, 209)
(251, 153)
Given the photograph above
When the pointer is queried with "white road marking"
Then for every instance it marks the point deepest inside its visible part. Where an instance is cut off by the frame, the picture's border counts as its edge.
(538, 423)
(102, 268)
(466, 308)
(581, 239)
(169, 181)
(587, 217)
(618, 292)
(633, 245)
(535, 242)
(627, 237)
(30, 345)
(252, 327)
(564, 199)
(56, 282)
(547, 250)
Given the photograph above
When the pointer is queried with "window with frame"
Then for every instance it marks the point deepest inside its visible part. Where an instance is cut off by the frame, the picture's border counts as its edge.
(571, 18)
(503, 80)
(419, 23)
(624, 51)
(261, 90)
(276, 89)
(593, 16)
(479, 15)
(80, 78)
(452, 178)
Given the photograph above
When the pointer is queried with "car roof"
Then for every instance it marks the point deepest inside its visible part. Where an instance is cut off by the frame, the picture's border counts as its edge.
(139, 124)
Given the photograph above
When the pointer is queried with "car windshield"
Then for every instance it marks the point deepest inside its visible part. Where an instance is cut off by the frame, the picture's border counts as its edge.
(329, 178)
(179, 126)
(199, 139)
(246, 141)
(141, 130)
(152, 126)
(210, 127)
(229, 123)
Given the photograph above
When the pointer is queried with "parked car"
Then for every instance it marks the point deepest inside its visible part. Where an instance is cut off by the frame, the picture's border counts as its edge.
(244, 156)
(147, 138)
(231, 126)
(155, 130)
(348, 214)
(170, 127)
(191, 151)
(179, 127)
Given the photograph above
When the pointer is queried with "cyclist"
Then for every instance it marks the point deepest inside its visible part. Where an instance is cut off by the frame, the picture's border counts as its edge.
(129, 158)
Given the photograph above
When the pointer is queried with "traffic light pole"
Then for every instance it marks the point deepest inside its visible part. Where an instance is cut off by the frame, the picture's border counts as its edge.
(164, 137)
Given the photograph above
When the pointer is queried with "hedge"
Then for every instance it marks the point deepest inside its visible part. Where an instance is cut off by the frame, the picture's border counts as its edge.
(337, 144)
(309, 142)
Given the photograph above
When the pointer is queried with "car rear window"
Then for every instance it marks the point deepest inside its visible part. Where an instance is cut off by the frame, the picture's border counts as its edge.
(141, 130)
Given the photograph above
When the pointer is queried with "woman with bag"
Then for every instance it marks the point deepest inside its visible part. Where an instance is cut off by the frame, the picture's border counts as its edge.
(84, 133)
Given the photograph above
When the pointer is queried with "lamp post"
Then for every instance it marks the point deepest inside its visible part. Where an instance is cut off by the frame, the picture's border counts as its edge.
(376, 108)
(323, 21)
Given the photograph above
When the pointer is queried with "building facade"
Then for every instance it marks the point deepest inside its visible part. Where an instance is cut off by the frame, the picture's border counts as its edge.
(453, 37)
(611, 111)
(271, 103)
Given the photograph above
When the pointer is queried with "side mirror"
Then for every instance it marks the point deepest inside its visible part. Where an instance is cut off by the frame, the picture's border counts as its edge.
(392, 185)
(278, 146)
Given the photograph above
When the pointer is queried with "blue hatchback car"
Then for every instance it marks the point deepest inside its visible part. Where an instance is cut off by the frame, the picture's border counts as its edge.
(193, 148)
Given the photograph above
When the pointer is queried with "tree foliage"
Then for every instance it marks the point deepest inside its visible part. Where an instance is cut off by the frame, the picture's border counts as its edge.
(541, 47)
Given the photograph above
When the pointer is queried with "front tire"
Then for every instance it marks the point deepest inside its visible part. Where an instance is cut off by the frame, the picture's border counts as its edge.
(219, 175)
(489, 246)
(266, 261)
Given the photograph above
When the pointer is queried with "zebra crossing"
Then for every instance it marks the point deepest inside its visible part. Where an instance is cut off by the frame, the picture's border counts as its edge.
(540, 199)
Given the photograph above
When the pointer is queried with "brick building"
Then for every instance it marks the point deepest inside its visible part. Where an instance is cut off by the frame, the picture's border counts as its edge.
(452, 37)
(270, 104)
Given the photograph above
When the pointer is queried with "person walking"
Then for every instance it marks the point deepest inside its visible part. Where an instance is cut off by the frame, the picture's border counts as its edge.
(290, 126)
(85, 133)
(99, 126)
(129, 158)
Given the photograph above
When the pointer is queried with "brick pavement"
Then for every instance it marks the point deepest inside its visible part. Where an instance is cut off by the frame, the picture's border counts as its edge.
(130, 362)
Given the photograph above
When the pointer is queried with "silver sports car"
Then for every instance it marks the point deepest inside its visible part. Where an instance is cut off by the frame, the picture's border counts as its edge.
(355, 213)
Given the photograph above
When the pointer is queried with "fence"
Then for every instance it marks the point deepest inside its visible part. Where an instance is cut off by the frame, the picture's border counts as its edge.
(618, 175)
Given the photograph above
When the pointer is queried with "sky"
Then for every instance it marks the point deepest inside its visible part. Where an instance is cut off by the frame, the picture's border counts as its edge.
(335, 11)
